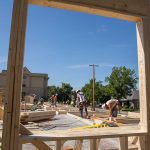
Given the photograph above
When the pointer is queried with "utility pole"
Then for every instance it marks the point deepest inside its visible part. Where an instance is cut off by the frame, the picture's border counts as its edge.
(93, 68)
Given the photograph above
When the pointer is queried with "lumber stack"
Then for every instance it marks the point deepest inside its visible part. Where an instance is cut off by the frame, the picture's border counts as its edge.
(62, 111)
(36, 116)
(29, 99)
(47, 107)
(26, 106)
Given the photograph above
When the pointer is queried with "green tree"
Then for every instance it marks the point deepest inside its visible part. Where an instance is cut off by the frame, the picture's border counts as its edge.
(88, 91)
(52, 90)
(105, 94)
(121, 82)
(65, 92)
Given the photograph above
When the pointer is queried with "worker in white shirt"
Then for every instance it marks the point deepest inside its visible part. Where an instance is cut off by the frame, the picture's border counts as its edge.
(113, 105)
(82, 103)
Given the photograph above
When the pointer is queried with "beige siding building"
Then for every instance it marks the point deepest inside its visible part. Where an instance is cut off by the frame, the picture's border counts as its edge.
(33, 83)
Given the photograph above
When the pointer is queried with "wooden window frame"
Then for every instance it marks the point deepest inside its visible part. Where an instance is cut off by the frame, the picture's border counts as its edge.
(131, 10)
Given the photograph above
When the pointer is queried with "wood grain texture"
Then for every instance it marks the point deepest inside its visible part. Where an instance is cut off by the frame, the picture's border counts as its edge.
(131, 10)
(78, 144)
(14, 76)
(37, 143)
(123, 143)
(122, 9)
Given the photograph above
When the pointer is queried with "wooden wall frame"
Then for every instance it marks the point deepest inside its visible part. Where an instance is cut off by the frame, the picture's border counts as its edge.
(131, 10)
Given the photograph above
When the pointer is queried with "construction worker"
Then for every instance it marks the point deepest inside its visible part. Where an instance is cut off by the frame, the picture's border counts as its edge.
(113, 105)
(52, 100)
(55, 100)
(82, 104)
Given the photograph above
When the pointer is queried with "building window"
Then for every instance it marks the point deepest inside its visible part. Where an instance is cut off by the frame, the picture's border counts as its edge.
(23, 85)
(24, 77)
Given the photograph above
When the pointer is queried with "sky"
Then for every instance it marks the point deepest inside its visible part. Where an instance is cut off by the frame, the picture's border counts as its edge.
(63, 43)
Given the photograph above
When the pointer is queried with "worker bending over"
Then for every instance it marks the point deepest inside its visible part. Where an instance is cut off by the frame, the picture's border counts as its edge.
(113, 105)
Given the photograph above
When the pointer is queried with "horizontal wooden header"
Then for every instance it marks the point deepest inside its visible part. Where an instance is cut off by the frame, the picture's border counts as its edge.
(131, 10)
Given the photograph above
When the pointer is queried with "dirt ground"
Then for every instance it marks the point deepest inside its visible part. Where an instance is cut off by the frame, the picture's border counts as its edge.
(64, 122)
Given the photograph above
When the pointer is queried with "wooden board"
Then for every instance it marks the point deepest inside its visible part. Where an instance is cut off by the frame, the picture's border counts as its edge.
(143, 40)
(10, 138)
(26, 106)
(37, 143)
(133, 10)
(97, 133)
(36, 116)
(122, 9)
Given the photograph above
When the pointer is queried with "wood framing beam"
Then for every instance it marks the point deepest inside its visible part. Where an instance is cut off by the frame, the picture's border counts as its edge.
(37, 143)
(130, 10)
(123, 143)
(143, 40)
(10, 134)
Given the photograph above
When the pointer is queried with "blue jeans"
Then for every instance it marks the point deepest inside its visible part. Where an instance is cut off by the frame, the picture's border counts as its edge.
(82, 106)
(114, 112)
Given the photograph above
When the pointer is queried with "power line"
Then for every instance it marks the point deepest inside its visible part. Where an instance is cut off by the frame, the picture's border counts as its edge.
(93, 68)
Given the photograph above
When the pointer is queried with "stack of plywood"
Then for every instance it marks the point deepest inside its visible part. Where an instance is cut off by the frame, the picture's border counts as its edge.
(36, 116)
(26, 106)
(62, 111)
(29, 99)
(46, 107)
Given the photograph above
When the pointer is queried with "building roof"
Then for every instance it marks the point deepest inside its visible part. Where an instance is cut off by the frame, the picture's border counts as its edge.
(135, 95)
(39, 75)
(27, 71)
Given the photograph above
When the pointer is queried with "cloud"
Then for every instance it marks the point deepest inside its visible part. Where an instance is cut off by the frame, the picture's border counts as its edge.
(103, 28)
(84, 66)
(3, 59)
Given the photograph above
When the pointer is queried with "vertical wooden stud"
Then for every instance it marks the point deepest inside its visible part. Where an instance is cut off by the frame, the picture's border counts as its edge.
(94, 144)
(123, 143)
(20, 146)
(78, 145)
(10, 136)
(59, 145)
(142, 143)
(143, 40)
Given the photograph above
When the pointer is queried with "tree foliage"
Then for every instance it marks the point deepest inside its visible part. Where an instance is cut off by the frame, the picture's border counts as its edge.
(121, 82)
(64, 92)
(88, 90)
(52, 90)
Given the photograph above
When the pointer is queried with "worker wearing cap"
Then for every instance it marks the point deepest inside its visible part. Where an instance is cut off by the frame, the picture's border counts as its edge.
(113, 105)
(82, 103)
